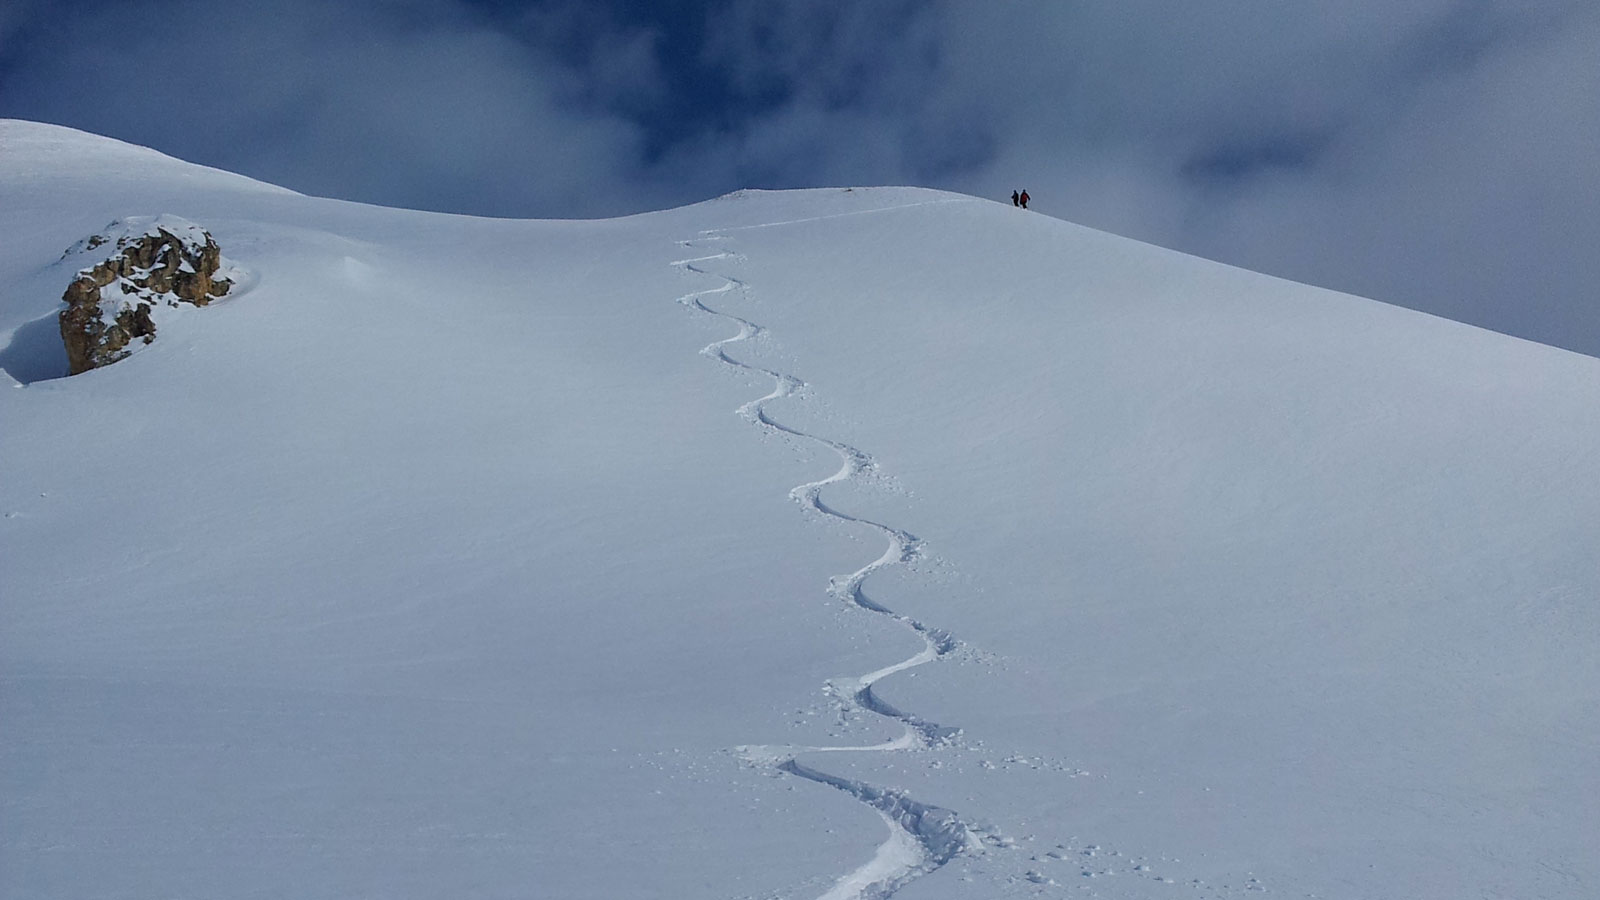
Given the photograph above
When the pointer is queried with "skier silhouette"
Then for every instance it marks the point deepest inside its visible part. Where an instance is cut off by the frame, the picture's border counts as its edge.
(1015, 200)
(1024, 199)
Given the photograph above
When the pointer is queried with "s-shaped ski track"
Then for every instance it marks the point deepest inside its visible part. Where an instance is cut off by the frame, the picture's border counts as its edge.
(922, 837)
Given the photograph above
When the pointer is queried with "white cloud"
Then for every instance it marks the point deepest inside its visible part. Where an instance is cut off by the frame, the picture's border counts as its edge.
(406, 104)
(1442, 155)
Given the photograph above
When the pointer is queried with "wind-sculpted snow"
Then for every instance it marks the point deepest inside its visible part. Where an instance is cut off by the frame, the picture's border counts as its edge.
(1276, 589)
(923, 837)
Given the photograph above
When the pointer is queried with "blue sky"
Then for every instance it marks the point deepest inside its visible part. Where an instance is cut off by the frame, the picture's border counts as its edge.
(1440, 154)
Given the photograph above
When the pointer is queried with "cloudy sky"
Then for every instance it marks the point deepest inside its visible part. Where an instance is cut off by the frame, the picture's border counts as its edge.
(1440, 154)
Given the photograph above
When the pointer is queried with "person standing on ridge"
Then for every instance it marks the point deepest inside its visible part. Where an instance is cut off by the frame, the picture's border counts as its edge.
(1024, 199)
(1015, 200)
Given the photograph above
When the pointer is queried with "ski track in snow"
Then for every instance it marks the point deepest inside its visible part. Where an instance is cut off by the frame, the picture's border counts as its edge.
(922, 837)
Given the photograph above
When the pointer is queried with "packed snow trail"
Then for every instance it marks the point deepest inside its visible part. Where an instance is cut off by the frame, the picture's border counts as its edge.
(922, 837)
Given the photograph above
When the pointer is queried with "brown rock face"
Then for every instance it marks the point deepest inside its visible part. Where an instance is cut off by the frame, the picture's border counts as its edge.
(110, 305)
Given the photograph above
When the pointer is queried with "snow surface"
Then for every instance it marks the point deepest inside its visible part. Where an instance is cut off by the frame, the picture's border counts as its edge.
(827, 543)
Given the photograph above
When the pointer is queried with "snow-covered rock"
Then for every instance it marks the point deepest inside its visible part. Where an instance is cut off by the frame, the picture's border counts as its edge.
(117, 304)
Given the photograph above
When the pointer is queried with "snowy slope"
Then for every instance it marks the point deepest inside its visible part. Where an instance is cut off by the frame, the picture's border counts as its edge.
(486, 558)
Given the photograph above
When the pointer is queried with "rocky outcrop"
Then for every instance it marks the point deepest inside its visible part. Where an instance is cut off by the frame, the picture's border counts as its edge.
(157, 266)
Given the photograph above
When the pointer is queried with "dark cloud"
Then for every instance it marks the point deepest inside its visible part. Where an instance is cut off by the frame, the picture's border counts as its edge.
(1441, 154)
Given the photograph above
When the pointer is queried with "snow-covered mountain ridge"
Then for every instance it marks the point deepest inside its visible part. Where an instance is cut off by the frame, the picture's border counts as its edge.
(827, 543)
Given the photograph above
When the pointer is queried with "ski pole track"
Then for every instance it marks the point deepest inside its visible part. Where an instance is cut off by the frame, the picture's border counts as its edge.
(923, 837)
